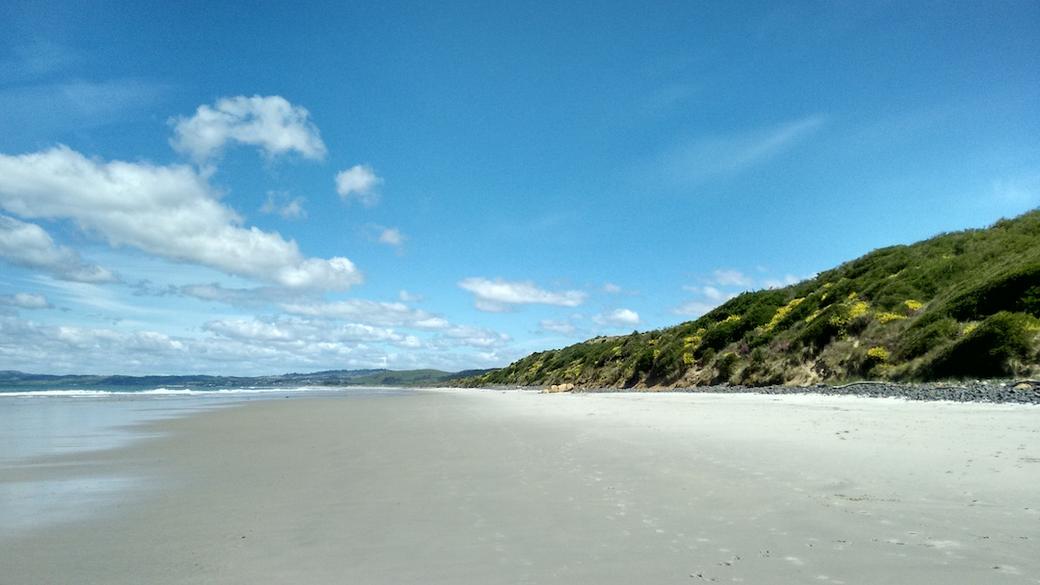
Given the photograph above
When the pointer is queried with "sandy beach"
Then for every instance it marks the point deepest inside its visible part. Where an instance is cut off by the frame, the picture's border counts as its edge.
(489, 487)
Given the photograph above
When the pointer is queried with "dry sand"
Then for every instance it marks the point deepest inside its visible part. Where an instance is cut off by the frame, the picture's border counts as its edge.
(488, 487)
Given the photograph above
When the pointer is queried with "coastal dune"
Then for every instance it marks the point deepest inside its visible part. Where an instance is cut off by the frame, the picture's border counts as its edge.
(491, 487)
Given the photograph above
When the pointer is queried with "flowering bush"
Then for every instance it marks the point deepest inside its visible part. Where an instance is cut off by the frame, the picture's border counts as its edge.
(858, 309)
(886, 317)
(878, 353)
(783, 312)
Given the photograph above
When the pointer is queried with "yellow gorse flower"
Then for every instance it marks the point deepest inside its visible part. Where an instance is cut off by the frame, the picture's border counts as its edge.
(783, 312)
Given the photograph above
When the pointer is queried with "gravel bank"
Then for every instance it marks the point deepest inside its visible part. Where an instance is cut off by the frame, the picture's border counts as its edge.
(1005, 391)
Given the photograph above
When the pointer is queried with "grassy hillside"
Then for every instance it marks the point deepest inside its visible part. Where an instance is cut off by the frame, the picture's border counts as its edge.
(959, 305)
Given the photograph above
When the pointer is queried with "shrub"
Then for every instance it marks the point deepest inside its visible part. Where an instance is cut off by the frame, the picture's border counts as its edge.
(783, 312)
(725, 366)
(886, 317)
(1015, 290)
(878, 354)
(925, 335)
(723, 333)
(988, 350)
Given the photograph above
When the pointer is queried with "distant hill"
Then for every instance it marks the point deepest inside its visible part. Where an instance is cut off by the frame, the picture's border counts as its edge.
(10, 379)
(959, 305)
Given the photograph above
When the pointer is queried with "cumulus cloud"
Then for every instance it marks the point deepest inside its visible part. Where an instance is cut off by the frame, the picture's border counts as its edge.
(26, 301)
(28, 245)
(168, 211)
(369, 312)
(285, 206)
(295, 330)
(240, 346)
(611, 289)
(269, 123)
(618, 318)
(498, 295)
(359, 182)
(100, 350)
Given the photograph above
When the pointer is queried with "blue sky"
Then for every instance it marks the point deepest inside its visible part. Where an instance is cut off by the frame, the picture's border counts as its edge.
(227, 188)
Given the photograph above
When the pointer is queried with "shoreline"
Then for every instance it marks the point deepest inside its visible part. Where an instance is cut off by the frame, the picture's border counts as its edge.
(488, 486)
(977, 391)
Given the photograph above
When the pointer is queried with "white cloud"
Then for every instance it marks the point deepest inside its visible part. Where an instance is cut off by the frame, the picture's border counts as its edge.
(618, 318)
(731, 278)
(704, 158)
(710, 296)
(711, 293)
(240, 347)
(359, 182)
(270, 123)
(409, 297)
(611, 288)
(48, 109)
(168, 211)
(787, 280)
(561, 327)
(369, 312)
(391, 237)
(26, 301)
(714, 293)
(295, 331)
(28, 245)
(471, 336)
(695, 308)
(242, 297)
(283, 205)
(496, 295)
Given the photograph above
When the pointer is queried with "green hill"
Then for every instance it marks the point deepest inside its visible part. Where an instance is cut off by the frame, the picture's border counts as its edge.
(959, 305)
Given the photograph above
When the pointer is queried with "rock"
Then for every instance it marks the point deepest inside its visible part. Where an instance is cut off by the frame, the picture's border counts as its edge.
(558, 388)
(1023, 386)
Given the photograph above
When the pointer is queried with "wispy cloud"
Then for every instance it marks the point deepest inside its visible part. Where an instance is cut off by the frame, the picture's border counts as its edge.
(77, 104)
(392, 237)
(1020, 190)
(37, 59)
(557, 327)
(499, 295)
(668, 97)
(26, 301)
(724, 284)
(700, 159)
(283, 204)
(730, 277)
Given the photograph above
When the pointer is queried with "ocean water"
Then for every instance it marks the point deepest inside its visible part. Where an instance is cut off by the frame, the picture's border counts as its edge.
(48, 437)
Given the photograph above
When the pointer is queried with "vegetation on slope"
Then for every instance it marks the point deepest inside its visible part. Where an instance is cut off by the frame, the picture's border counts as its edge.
(958, 305)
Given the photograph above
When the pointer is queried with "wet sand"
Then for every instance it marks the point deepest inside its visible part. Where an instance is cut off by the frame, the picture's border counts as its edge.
(489, 487)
